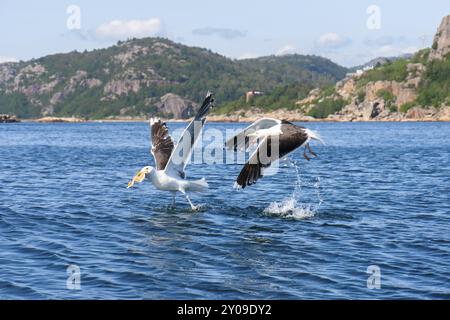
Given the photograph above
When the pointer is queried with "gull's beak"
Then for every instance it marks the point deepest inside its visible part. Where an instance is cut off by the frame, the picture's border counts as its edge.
(139, 177)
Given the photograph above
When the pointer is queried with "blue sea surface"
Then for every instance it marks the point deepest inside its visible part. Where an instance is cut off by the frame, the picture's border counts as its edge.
(377, 196)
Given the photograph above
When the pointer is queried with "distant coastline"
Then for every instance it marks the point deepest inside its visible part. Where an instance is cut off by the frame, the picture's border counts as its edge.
(224, 118)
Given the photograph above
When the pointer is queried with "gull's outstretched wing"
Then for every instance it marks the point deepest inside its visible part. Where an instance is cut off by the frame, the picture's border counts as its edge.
(242, 141)
(253, 168)
(162, 143)
(270, 149)
(183, 150)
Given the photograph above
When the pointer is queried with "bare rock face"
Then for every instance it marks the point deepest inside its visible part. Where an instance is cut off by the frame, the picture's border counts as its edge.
(366, 103)
(131, 54)
(27, 74)
(429, 113)
(122, 87)
(175, 105)
(38, 88)
(443, 114)
(162, 48)
(419, 113)
(441, 42)
(367, 110)
(6, 72)
(306, 102)
(131, 80)
(346, 88)
(405, 95)
(402, 91)
(79, 79)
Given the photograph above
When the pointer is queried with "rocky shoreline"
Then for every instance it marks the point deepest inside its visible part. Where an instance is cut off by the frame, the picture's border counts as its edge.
(289, 116)
(59, 119)
(415, 114)
(6, 118)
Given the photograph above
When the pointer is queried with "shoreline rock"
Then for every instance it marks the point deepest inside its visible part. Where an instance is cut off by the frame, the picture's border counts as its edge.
(6, 118)
(59, 120)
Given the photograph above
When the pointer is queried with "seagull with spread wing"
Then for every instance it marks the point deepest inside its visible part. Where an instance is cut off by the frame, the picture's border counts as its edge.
(170, 160)
(274, 139)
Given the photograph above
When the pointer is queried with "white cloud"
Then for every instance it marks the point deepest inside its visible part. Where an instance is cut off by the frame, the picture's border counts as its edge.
(121, 30)
(332, 40)
(287, 49)
(8, 59)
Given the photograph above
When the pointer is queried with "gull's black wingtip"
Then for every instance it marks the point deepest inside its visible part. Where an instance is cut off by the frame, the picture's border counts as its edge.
(209, 98)
(207, 104)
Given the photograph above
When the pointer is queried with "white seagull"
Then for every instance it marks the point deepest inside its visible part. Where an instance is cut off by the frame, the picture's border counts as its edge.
(171, 161)
(275, 139)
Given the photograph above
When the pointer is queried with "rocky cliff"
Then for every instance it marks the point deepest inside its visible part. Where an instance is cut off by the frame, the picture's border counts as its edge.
(441, 42)
(415, 88)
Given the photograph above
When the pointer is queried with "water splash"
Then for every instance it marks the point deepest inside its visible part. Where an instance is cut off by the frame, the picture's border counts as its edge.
(292, 208)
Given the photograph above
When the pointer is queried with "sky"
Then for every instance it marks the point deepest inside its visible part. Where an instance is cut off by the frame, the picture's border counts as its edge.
(349, 32)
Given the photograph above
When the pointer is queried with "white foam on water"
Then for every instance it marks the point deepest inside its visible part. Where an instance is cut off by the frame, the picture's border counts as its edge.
(292, 208)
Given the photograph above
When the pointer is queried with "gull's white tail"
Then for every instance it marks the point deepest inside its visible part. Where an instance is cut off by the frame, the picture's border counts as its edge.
(314, 136)
(198, 185)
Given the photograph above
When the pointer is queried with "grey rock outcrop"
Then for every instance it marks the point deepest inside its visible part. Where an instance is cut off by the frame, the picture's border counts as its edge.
(441, 42)
(179, 108)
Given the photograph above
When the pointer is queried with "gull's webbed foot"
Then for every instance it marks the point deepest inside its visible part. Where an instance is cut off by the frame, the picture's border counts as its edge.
(312, 152)
(305, 155)
(193, 207)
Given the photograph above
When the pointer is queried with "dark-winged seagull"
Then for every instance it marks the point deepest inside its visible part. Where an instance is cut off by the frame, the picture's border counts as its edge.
(171, 161)
(275, 139)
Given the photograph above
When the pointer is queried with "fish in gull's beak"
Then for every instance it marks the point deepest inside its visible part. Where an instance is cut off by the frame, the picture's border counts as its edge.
(139, 177)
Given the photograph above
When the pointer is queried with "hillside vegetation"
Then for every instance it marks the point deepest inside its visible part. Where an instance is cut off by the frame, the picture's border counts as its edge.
(387, 91)
(434, 89)
(413, 86)
(130, 78)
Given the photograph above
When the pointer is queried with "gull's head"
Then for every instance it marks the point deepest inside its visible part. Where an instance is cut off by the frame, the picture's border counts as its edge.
(140, 176)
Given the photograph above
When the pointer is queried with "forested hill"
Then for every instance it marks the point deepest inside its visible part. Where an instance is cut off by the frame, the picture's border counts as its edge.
(150, 76)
